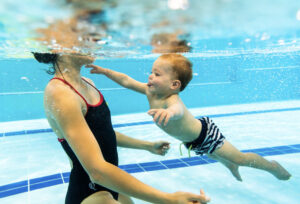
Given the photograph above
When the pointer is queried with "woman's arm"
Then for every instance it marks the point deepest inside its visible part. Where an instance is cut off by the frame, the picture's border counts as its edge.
(65, 108)
(120, 78)
(159, 147)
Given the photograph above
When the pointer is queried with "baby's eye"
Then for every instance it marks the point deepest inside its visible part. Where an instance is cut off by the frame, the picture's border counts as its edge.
(156, 74)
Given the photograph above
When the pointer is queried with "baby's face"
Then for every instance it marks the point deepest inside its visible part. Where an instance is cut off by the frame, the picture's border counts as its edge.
(161, 77)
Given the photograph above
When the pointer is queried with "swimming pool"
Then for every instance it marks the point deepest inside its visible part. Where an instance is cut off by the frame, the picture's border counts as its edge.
(270, 129)
(246, 77)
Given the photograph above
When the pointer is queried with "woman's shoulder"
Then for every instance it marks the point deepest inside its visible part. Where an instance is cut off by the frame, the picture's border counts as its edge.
(56, 89)
(89, 80)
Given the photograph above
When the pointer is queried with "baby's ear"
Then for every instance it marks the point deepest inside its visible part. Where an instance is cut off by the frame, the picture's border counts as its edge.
(176, 84)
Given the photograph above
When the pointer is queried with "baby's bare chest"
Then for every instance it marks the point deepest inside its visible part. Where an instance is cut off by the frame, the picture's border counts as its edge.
(154, 103)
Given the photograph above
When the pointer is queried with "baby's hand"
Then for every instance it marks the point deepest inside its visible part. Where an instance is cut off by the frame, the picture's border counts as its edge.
(96, 69)
(160, 115)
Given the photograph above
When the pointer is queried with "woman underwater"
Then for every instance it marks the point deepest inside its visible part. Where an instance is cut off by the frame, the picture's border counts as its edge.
(78, 114)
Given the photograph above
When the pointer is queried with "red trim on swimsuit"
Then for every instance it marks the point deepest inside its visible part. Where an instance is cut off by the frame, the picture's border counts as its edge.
(60, 140)
(87, 104)
(101, 96)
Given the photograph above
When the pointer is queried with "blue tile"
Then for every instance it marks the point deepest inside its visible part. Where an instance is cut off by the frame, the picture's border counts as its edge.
(37, 183)
(154, 168)
(177, 165)
(128, 166)
(66, 174)
(45, 184)
(186, 159)
(263, 153)
(273, 153)
(13, 185)
(288, 151)
(171, 161)
(261, 150)
(210, 160)
(204, 157)
(14, 133)
(281, 147)
(278, 152)
(251, 112)
(1, 134)
(45, 178)
(149, 164)
(134, 170)
(297, 146)
(66, 179)
(266, 153)
(13, 191)
(246, 150)
(197, 162)
(48, 130)
(34, 131)
(133, 124)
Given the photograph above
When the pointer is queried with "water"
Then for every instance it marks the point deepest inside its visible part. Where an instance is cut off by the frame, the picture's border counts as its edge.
(246, 77)
(251, 126)
(128, 25)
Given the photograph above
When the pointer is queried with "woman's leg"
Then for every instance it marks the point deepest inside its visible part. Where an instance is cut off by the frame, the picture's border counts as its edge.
(230, 153)
(124, 199)
(100, 197)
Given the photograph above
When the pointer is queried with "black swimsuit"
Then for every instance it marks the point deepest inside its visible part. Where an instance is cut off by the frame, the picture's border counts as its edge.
(98, 119)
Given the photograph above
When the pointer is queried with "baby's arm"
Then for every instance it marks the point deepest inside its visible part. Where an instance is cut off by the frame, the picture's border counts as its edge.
(120, 78)
(173, 112)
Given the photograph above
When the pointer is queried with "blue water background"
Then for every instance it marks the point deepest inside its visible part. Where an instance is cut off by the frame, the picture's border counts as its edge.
(217, 80)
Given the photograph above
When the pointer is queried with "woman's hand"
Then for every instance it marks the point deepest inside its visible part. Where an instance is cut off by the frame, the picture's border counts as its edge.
(189, 198)
(160, 147)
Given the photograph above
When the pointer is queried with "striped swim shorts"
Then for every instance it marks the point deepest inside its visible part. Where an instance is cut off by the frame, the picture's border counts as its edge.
(209, 139)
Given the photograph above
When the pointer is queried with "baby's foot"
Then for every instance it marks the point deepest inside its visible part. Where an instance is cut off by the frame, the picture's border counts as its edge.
(234, 169)
(235, 172)
(280, 172)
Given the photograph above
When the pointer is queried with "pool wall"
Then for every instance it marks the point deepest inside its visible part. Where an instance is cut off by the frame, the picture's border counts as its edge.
(217, 80)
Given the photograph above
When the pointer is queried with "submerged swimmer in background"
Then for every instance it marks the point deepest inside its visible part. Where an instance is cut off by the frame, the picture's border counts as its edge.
(79, 116)
(171, 73)
(169, 43)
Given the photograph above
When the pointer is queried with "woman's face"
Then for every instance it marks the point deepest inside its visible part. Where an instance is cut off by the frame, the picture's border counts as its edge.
(85, 59)
(81, 58)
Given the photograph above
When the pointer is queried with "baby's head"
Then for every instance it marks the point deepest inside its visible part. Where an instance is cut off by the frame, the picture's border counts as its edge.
(181, 68)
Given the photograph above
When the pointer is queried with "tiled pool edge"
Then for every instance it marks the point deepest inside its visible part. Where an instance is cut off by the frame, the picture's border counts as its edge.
(60, 178)
(34, 131)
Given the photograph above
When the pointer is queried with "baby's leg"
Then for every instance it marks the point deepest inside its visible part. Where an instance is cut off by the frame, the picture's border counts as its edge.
(234, 169)
(230, 153)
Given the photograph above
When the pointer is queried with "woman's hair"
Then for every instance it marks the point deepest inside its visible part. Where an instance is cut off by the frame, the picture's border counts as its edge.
(181, 66)
(47, 58)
